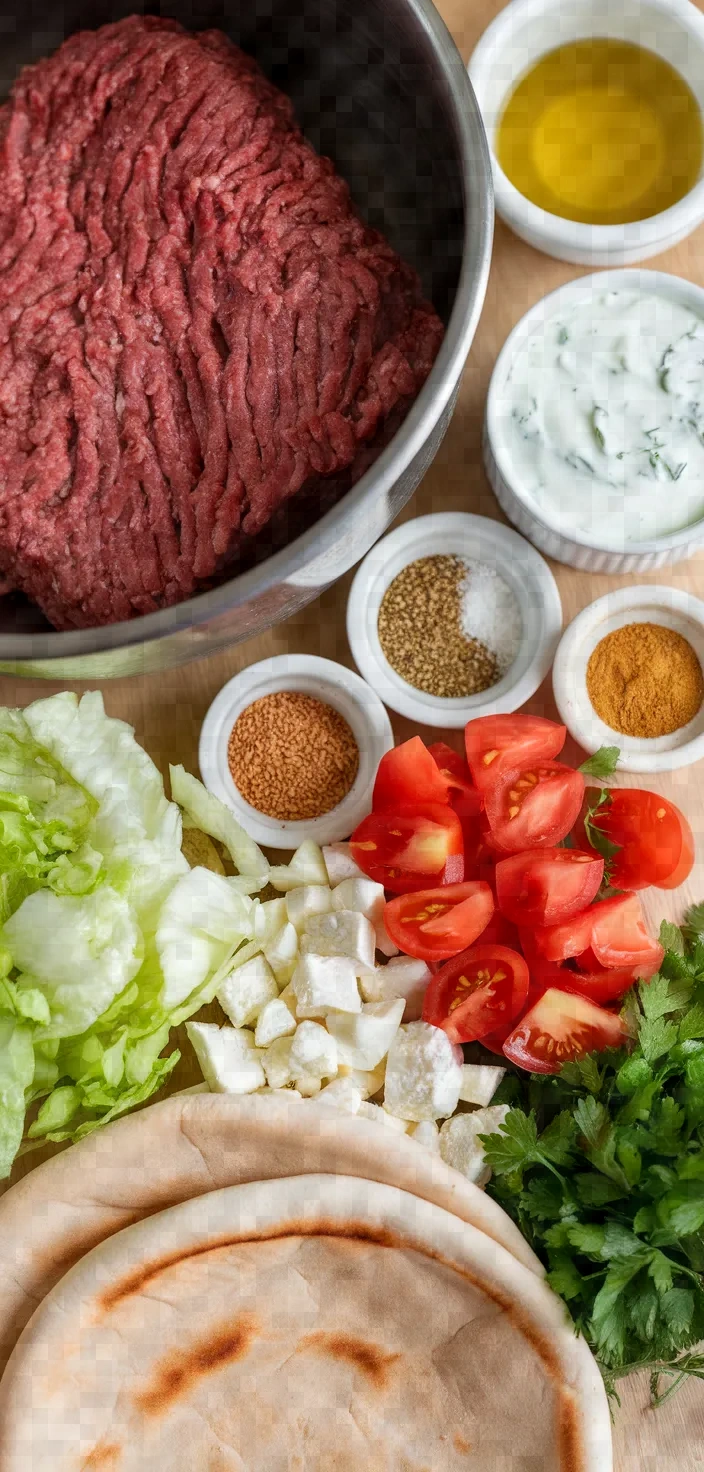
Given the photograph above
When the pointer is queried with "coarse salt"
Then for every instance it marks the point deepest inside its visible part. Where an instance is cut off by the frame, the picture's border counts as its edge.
(490, 612)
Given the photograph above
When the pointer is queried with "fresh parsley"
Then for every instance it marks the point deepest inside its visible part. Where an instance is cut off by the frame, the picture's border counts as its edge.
(602, 1168)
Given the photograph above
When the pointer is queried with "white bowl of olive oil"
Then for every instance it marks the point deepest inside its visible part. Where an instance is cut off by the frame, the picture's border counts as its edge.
(594, 113)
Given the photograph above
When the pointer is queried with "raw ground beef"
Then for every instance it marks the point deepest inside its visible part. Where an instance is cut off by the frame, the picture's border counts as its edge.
(194, 323)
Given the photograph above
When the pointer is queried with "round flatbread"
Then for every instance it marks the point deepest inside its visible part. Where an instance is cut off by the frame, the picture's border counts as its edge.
(312, 1322)
(182, 1147)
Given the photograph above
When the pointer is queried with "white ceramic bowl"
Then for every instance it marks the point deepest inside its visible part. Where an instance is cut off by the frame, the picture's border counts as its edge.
(324, 680)
(480, 540)
(523, 32)
(574, 547)
(668, 606)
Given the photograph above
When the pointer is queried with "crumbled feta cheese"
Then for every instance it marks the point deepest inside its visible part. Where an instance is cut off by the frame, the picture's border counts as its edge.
(339, 863)
(276, 1062)
(247, 990)
(325, 984)
(313, 1052)
(308, 1084)
(382, 1116)
(368, 1081)
(309, 900)
(384, 942)
(480, 1082)
(423, 1073)
(344, 933)
(341, 1094)
(282, 953)
(306, 867)
(274, 1021)
(363, 1040)
(403, 976)
(426, 1133)
(269, 918)
(366, 897)
(228, 1058)
(460, 1145)
(288, 996)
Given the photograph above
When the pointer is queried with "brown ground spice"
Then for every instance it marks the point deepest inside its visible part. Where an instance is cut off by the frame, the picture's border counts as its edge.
(420, 631)
(645, 680)
(292, 757)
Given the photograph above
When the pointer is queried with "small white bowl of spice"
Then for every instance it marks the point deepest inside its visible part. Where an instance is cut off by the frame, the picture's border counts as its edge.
(292, 745)
(453, 616)
(629, 673)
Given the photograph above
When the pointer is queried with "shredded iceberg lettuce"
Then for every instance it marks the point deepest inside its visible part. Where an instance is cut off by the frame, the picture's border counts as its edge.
(107, 938)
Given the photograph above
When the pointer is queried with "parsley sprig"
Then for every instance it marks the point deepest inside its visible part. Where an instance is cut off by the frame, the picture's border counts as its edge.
(602, 1168)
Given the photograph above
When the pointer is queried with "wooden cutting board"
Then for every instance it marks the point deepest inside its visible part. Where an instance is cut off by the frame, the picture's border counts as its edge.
(167, 709)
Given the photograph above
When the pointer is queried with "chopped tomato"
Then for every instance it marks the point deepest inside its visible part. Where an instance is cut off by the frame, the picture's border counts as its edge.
(614, 931)
(435, 924)
(406, 776)
(500, 932)
(544, 886)
(476, 992)
(417, 848)
(620, 938)
(599, 986)
(543, 973)
(533, 807)
(655, 840)
(559, 1027)
(463, 795)
(496, 744)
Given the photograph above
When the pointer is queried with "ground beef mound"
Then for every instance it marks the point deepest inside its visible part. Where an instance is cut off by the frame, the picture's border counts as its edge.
(194, 323)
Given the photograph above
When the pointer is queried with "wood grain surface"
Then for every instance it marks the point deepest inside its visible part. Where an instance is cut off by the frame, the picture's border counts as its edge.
(167, 709)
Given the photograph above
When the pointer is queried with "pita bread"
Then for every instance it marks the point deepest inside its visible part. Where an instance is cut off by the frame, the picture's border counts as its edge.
(182, 1147)
(315, 1322)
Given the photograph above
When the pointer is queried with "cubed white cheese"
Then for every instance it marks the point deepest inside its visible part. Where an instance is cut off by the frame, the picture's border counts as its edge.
(228, 1058)
(313, 1052)
(344, 933)
(460, 1145)
(308, 1084)
(247, 990)
(423, 1073)
(288, 996)
(282, 953)
(363, 1040)
(341, 1094)
(269, 918)
(382, 1116)
(403, 976)
(274, 1021)
(368, 898)
(325, 984)
(480, 1082)
(306, 867)
(368, 1081)
(309, 900)
(426, 1133)
(276, 1062)
(339, 863)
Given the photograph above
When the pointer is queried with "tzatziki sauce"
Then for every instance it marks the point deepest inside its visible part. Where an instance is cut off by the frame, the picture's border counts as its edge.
(602, 416)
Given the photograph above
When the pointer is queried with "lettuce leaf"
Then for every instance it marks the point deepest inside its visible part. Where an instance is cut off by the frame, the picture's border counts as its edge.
(205, 811)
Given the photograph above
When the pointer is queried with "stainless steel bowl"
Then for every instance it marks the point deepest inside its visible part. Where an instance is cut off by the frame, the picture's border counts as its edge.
(380, 87)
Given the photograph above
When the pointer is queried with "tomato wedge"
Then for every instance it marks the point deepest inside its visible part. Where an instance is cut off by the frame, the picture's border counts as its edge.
(533, 807)
(406, 776)
(496, 744)
(463, 795)
(655, 840)
(599, 986)
(476, 992)
(545, 886)
(559, 1027)
(613, 929)
(434, 924)
(417, 848)
(543, 973)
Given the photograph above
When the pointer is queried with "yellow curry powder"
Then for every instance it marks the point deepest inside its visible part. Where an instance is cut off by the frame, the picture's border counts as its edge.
(645, 680)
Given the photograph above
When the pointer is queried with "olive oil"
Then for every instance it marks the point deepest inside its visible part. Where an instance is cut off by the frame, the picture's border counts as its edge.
(603, 132)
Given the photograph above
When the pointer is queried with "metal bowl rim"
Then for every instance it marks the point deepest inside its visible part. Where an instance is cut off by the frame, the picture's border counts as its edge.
(397, 455)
